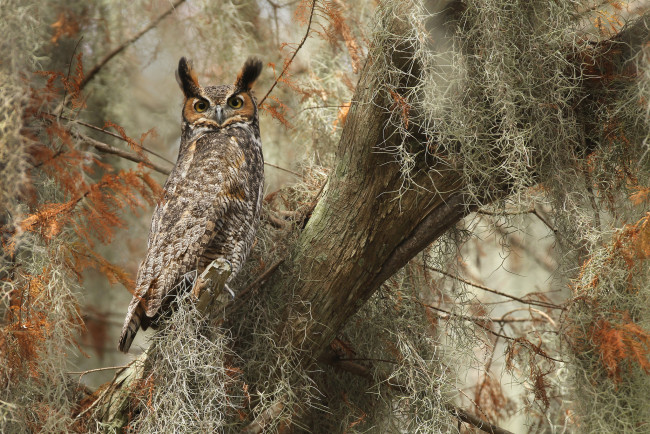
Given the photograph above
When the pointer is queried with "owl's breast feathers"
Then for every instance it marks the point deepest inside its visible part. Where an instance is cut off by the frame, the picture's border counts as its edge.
(210, 209)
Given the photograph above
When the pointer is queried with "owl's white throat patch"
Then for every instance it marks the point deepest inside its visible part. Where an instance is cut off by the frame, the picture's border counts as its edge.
(199, 130)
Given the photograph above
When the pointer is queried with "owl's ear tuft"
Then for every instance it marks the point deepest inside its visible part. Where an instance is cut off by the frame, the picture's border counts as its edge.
(249, 73)
(187, 79)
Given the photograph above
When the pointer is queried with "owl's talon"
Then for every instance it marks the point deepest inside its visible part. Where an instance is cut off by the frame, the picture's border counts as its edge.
(227, 262)
(227, 288)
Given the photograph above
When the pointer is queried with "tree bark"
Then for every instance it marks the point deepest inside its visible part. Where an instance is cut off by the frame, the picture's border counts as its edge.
(362, 231)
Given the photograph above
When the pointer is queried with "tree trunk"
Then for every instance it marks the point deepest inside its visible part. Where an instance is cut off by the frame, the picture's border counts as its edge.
(362, 230)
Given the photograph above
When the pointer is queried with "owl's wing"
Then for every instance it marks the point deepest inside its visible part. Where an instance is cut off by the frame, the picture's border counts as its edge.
(183, 225)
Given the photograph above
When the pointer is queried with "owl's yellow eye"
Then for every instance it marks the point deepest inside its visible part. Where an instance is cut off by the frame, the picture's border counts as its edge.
(236, 102)
(201, 106)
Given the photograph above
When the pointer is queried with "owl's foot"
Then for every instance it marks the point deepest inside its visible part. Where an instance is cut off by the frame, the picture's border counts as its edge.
(227, 288)
(224, 261)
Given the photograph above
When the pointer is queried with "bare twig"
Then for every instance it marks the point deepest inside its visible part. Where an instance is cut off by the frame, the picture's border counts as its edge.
(287, 64)
(132, 156)
(531, 249)
(494, 291)
(112, 134)
(95, 69)
(504, 213)
(502, 320)
(107, 368)
(283, 169)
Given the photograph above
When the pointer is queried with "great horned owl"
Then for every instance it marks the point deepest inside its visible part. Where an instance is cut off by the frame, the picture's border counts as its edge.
(212, 198)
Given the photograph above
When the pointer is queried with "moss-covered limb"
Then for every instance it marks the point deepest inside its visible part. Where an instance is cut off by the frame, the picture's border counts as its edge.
(362, 230)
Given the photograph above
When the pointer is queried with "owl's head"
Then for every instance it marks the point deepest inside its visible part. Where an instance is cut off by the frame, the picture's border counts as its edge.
(215, 107)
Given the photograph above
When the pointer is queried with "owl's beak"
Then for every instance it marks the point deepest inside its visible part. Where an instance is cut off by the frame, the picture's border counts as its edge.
(219, 115)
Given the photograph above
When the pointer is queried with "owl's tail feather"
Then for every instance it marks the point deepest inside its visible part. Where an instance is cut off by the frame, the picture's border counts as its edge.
(131, 328)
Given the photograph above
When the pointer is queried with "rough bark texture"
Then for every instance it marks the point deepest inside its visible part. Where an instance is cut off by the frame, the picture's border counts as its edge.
(361, 232)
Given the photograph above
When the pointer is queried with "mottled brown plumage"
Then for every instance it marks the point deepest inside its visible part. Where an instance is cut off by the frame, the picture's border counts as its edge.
(212, 199)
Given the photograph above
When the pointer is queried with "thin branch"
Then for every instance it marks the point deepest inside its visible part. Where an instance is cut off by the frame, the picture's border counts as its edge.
(494, 291)
(91, 74)
(504, 213)
(501, 320)
(112, 134)
(515, 241)
(282, 168)
(260, 279)
(108, 149)
(543, 220)
(287, 64)
(107, 368)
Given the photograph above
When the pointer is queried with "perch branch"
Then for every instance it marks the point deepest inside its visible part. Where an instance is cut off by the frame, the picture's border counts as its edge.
(113, 400)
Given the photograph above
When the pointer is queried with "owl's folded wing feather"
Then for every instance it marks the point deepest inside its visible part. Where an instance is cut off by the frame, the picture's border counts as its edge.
(183, 225)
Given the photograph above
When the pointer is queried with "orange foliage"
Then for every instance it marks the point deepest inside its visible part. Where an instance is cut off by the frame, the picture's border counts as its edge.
(70, 88)
(537, 374)
(401, 104)
(303, 11)
(99, 216)
(26, 326)
(642, 194)
(136, 146)
(340, 31)
(618, 343)
(67, 24)
(633, 243)
(93, 196)
(286, 79)
(608, 23)
(489, 397)
(277, 111)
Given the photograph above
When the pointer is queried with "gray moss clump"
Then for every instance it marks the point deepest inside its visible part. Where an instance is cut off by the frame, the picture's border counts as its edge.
(496, 92)
(501, 99)
(193, 378)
